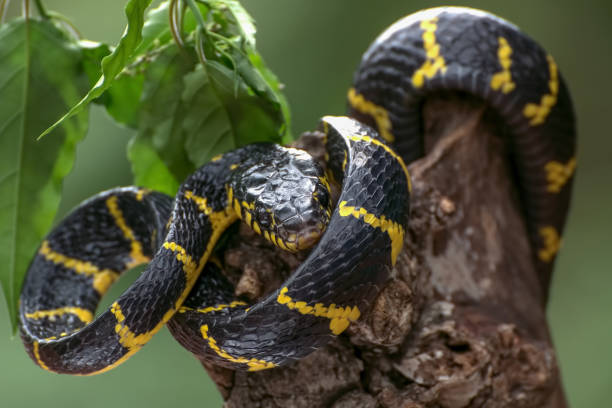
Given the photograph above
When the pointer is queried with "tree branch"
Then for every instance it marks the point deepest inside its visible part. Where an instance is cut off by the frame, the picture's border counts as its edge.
(460, 324)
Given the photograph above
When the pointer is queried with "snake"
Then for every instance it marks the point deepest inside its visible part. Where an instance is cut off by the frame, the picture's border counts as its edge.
(283, 195)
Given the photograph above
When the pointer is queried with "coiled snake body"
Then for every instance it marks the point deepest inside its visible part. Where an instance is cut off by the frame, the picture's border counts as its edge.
(281, 194)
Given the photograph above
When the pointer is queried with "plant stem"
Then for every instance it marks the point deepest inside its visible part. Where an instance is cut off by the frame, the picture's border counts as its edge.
(25, 9)
(196, 13)
(175, 26)
(199, 33)
(199, 46)
(41, 10)
(3, 5)
(66, 21)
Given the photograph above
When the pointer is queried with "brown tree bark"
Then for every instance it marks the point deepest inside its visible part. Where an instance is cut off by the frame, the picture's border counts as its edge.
(460, 323)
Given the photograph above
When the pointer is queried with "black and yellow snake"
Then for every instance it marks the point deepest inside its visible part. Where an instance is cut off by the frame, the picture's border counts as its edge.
(281, 194)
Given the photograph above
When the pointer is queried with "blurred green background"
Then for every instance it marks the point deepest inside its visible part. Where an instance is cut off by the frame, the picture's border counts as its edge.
(314, 46)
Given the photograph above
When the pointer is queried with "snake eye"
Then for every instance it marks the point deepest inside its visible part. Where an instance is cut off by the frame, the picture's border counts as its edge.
(284, 194)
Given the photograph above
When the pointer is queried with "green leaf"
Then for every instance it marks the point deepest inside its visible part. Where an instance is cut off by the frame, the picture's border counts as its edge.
(210, 131)
(156, 30)
(239, 46)
(116, 61)
(148, 168)
(276, 86)
(93, 54)
(244, 21)
(252, 118)
(161, 111)
(122, 99)
(41, 74)
(189, 114)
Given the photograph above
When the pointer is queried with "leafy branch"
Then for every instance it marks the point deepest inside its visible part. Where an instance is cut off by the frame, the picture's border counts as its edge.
(186, 76)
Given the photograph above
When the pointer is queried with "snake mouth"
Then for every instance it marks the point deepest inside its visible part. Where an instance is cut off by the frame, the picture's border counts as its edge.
(303, 238)
(306, 226)
(309, 236)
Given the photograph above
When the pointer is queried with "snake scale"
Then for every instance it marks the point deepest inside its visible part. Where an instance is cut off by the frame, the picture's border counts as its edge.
(282, 195)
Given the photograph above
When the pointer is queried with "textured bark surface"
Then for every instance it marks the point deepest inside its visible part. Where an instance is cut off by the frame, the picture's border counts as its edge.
(460, 324)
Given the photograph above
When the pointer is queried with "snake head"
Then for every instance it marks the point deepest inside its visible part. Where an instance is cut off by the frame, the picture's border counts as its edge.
(284, 197)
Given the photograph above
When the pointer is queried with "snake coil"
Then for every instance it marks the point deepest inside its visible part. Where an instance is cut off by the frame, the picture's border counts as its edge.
(281, 194)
